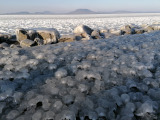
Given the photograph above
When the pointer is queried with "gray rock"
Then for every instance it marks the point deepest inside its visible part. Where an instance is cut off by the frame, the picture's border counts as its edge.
(15, 46)
(4, 45)
(148, 28)
(127, 29)
(27, 43)
(49, 35)
(38, 41)
(96, 34)
(107, 35)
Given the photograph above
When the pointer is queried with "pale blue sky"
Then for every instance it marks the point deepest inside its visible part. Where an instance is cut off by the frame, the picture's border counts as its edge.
(70, 5)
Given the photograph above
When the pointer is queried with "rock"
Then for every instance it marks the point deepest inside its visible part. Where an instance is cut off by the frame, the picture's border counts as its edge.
(156, 23)
(49, 35)
(127, 29)
(81, 29)
(21, 34)
(32, 34)
(27, 43)
(108, 35)
(116, 32)
(144, 25)
(96, 34)
(15, 46)
(38, 41)
(4, 45)
(148, 28)
(156, 27)
(67, 38)
(7, 38)
(104, 31)
(78, 37)
(139, 31)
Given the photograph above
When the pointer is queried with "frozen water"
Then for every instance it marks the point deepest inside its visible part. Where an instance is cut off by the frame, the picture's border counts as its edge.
(114, 79)
(66, 23)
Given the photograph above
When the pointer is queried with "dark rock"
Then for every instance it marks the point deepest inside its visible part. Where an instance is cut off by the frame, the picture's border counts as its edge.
(7, 38)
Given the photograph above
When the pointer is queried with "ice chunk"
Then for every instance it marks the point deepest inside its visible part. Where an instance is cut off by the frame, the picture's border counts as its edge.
(12, 114)
(58, 105)
(52, 66)
(37, 115)
(145, 108)
(125, 98)
(68, 99)
(17, 97)
(101, 112)
(60, 73)
(49, 115)
(83, 88)
(92, 115)
(66, 115)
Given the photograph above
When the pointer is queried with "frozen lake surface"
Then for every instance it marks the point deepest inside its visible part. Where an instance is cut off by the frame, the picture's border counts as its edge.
(112, 79)
(66, 23)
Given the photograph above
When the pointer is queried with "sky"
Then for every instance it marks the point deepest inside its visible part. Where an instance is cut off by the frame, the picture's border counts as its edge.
(62, 6)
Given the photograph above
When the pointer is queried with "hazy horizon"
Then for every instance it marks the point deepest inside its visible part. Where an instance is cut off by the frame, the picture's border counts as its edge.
(62, 6)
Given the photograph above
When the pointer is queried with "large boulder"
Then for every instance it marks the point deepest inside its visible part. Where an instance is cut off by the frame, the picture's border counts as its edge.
(81, 29)
(48, 35)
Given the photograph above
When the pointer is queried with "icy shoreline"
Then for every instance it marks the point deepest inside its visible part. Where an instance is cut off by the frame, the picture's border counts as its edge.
(116, 78)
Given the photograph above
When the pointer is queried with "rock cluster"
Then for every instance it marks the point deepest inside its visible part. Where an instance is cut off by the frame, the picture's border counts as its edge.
(111, 79)
(36, 37)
